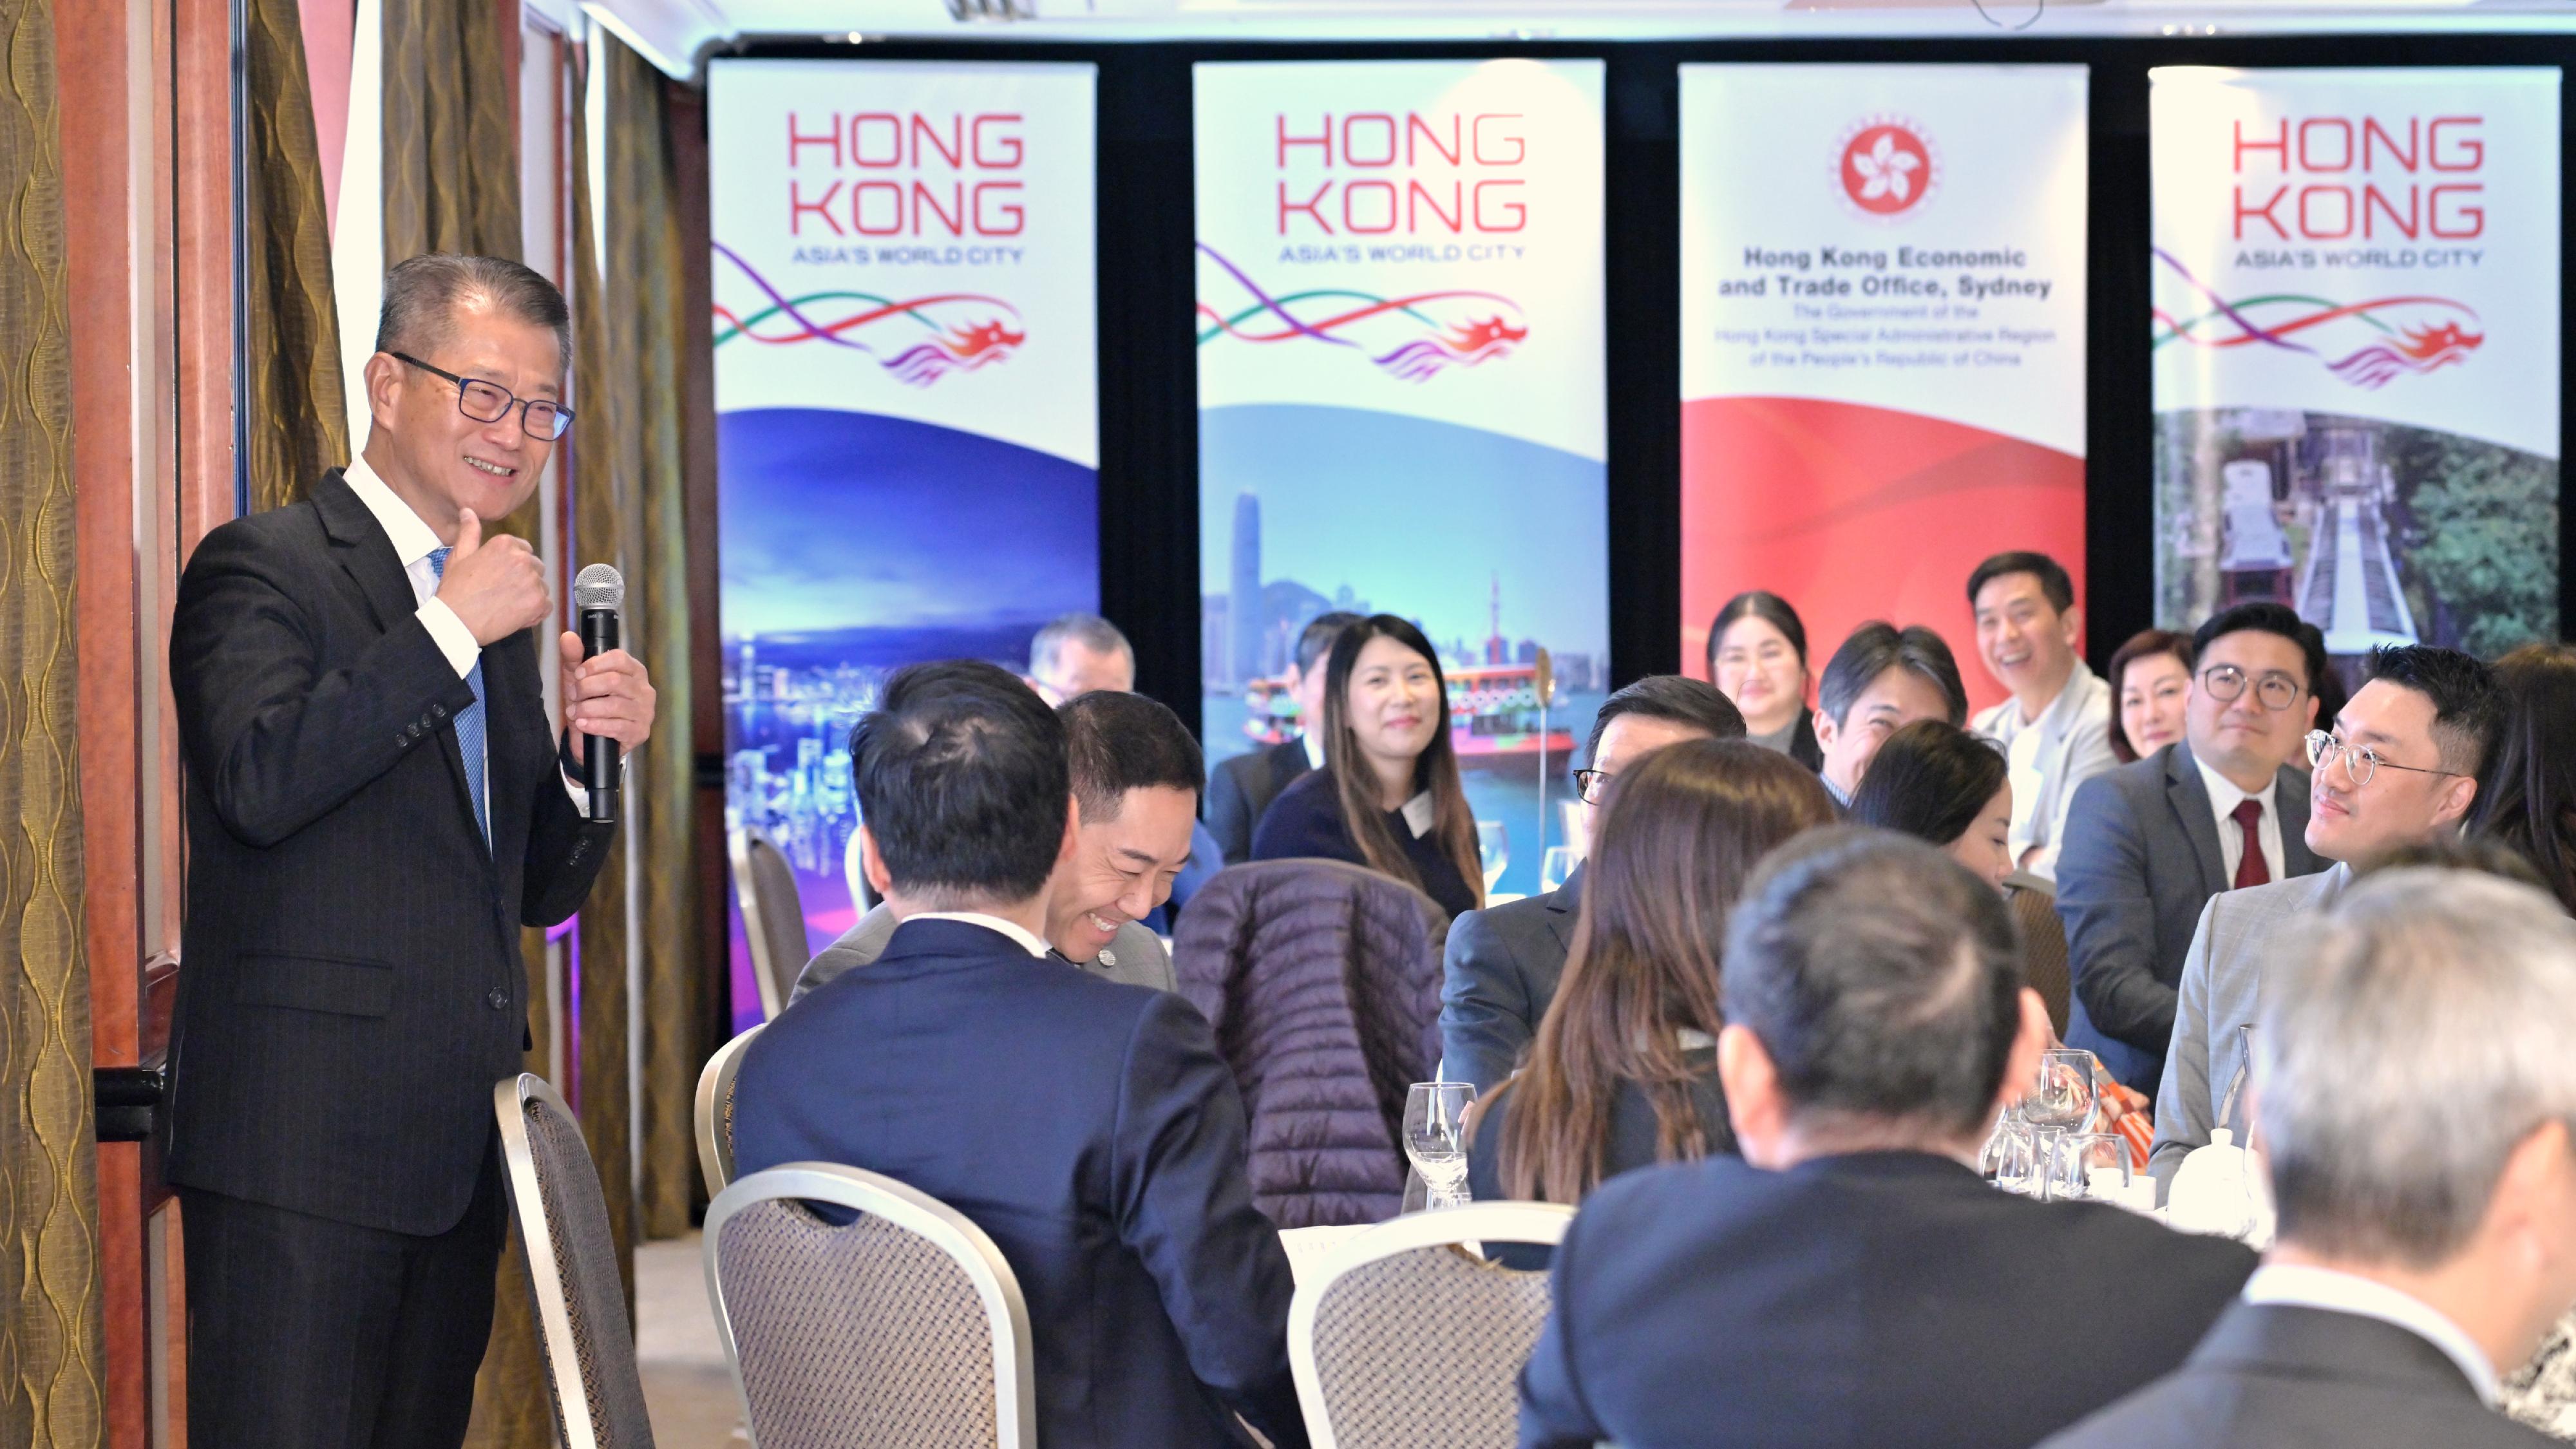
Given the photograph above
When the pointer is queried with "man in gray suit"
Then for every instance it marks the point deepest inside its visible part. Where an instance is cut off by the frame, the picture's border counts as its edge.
(1502, 963)
(1136, 777)
(2427, 1196)
(2149, 843)
(2400, 767)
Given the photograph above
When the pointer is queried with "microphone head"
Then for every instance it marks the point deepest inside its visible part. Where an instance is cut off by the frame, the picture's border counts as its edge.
(599, 586)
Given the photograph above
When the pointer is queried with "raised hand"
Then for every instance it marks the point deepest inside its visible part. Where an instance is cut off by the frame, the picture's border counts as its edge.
(497, 588)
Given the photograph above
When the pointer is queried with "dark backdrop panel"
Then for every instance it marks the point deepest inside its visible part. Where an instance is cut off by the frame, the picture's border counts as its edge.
(1149, 564)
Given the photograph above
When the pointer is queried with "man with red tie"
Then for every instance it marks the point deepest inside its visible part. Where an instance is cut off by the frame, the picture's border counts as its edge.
(2149, 843)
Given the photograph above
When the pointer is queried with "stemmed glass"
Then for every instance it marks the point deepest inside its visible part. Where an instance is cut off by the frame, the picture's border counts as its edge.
(2090, 1165)
(1435, 1137)
(1494, 848)
(1554, 867)
(2061, 1103)
(2009, 1158)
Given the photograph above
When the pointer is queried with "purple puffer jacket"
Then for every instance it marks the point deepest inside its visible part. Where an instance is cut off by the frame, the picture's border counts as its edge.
(1323, 983)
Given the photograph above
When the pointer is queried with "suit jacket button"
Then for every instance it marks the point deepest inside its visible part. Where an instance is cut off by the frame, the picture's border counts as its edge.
(498, 1000)
(438, 711)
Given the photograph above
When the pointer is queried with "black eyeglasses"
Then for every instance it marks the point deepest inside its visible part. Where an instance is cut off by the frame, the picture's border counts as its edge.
(2226, 683)
(1588, 783)
(490, 402)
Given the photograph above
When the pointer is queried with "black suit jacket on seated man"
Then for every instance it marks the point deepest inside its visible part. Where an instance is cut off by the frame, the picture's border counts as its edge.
(1866, 1299)
(1092, 1130)
(1243, 787)
(353, 985)
(1499, 971)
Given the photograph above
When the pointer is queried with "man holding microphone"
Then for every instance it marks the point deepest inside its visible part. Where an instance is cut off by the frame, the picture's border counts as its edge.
(376, 803)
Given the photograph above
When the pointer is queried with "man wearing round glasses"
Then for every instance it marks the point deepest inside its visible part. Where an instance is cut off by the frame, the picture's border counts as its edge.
(2149, 843)
(376, 805)
(2399, 767)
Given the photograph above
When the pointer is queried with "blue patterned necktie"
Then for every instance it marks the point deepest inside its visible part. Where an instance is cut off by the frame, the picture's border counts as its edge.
(469, 724)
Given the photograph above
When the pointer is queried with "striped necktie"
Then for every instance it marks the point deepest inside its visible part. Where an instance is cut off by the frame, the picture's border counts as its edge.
(469, 724)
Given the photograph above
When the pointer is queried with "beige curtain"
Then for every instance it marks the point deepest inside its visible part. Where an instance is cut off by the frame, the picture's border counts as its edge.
(51, 1378)
(291, 388)
(451, 152)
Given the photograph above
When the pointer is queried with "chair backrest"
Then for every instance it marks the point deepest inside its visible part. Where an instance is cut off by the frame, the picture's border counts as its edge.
(901, 1326)
(1404, 1340)
(773, 919)
(2043, 943)
(1322, 981)
(573, 1275)
(854, 874)
(715, 1112)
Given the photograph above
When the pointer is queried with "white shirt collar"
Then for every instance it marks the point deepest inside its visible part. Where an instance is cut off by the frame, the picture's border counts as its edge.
(1314, 750)
(412, 538)
(2302, 1286)
(2224, 797)
(1013, 929)
(1418, 814)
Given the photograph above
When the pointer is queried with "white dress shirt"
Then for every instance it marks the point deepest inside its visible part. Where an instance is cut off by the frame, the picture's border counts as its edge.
(1314, 749)
(1013, 929)
(2301, 1286)
(2224, 797)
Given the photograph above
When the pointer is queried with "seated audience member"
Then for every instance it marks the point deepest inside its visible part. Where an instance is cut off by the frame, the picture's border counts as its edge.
(2150, 676)
(2529, 798)
(1851, 1280)
(2415, 1099)
(2400, 766)
(1501, 965)
(2148, 844)
(1937, 782)
(1757, 657)
(1879, 681)
(1242, 787)
(1388, 796)
(2055, 729)
(1624, 1071)
(1089, 1127)
(1135, 785)
(1079, 654)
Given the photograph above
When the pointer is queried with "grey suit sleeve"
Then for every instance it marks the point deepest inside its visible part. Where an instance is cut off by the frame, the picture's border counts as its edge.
(1229, 814)
(2111, 919)
(2184, 1112)
(863, 943)
(1484, 1005)
(2088, 755)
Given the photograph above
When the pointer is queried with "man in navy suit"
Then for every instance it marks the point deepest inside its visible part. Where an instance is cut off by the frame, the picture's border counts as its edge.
(1089, 1127)
(2148, 844)
(1242, 787)
(1502, 964)
(1850, 1280)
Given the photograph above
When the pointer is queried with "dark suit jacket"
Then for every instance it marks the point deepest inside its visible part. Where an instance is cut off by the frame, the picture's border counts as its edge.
(1243, 787)
(2283, 1377)
(1500, 971)
(353, 985)
(2141, 858)
(1306, 822)
(1872, 1299)
(1092, 1130)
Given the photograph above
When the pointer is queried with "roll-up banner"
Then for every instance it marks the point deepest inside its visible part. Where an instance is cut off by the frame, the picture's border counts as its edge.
(1882, 339)
(906, 390)
(1401, 397)
(2356, 350)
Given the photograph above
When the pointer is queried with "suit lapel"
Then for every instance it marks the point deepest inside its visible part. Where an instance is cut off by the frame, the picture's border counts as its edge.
(2188, 797)
(1562, 903)
(2290, 797)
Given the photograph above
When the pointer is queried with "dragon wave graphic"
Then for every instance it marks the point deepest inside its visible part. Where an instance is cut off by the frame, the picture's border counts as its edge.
(2390, 337)
(966, 330)
(1423, 334)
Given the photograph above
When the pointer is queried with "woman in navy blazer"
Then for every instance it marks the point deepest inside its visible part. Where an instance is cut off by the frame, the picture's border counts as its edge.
(1388, 797)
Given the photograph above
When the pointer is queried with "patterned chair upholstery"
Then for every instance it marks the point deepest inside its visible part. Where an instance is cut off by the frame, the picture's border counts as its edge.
(2043, 943)
(773, 919)
(714, 1112)
(572, 1270)
(856, 1310)
(1404, 1339)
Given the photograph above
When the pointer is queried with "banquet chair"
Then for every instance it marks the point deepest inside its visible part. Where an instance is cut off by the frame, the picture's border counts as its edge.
(580, 1297)
(715, 1112)
(1405, 1339)
(773, 919)
(2043, 943)
(854, 874)
(901, 1326)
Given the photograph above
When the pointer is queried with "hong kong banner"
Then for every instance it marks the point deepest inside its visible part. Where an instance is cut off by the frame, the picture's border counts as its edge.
(1883, 350)
(2356, 350)
(1401, 404)
(906, 384)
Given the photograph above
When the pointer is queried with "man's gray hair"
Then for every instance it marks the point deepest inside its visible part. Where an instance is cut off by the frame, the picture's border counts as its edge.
(423, 293)
(2427, 1030)
(1090, 631)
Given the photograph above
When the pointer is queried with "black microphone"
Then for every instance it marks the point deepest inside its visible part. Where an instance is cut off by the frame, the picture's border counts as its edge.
(597, 592)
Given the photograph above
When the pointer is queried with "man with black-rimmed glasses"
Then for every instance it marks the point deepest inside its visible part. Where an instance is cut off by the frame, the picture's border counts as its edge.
(2399, 766)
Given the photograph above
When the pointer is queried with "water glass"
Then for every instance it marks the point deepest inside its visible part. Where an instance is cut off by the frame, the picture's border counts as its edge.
(2011, 1157)
(1554, 867)
(2063, 1097)
(1494, 848)
(1435, 1138)
(2090, 1165)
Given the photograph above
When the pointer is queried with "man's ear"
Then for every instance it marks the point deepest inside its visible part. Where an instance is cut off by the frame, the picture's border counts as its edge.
(2457, 797)
(2071, 624)
(383, 378)
(1753, 1101)
(1072, 831)
(2030, 1043)
(872, 865)
(1825, 729)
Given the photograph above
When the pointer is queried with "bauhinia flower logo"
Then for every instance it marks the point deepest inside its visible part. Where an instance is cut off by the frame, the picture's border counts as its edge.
(1886, 168)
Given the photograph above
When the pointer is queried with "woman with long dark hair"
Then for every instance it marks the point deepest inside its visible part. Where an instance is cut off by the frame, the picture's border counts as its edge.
(1388, 797)
(1937, 782)
(1757, 657)
(1623, 1072)
(2528, 799)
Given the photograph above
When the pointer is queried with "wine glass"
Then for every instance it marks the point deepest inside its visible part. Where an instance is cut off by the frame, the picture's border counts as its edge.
(1435, 1137)
(2090, 1165)
(2010, 1154)
(1554, 866)
(1494, 847)
(2061, 1102)
(2235, 1109)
